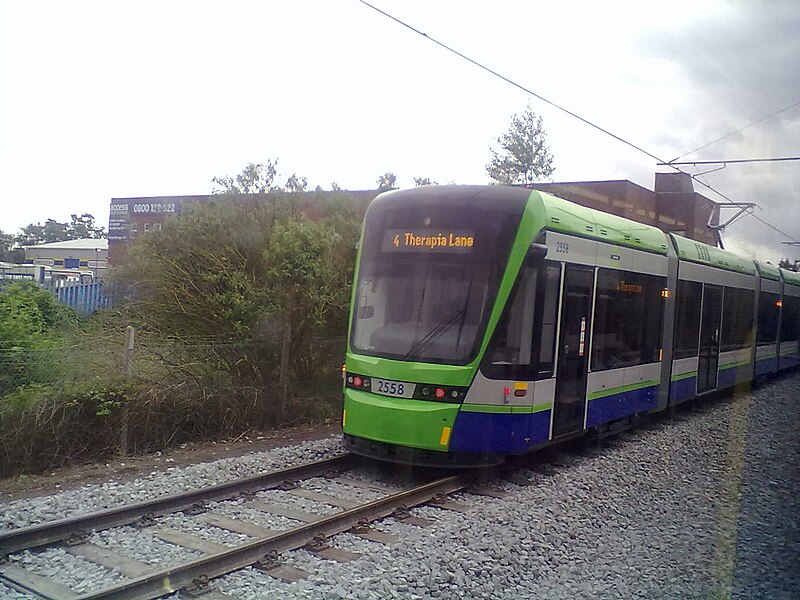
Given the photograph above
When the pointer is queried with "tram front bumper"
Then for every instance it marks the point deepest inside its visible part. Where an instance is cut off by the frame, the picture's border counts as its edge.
(399, 421)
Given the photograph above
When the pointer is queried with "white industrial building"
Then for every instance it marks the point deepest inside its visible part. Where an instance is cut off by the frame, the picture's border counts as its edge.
(85, 255)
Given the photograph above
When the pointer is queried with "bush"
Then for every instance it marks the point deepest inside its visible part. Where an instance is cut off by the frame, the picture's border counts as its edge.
(42, 427)
(31, 323)
(227, 299)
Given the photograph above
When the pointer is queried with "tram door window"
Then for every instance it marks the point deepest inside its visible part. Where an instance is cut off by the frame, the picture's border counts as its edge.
(737, 319)
(688, 300)
(790, 319)
(768, 315)
(573, 351)
(710, 317)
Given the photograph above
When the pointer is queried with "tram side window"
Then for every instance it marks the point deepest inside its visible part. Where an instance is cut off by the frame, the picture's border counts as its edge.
(737, 319)
(790, 319)
(628, 319)
(687, 318)
(768, 311)
(523, 344)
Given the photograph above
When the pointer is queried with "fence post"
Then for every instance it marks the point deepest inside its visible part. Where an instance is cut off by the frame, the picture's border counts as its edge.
(127, 369)
(283, 376)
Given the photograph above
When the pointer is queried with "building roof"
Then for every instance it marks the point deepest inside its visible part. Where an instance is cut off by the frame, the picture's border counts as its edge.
(82, 244)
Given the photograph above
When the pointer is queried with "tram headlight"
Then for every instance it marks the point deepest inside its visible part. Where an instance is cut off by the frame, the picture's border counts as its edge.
(358, 382)
(440, 393)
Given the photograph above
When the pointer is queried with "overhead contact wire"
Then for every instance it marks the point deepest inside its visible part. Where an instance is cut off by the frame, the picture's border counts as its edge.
(576, 116)
(727, 135)
(511, 81)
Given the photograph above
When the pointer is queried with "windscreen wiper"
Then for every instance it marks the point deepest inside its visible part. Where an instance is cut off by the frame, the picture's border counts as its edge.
(433, 335)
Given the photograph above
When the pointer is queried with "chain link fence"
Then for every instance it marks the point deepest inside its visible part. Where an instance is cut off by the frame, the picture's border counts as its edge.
(102, 396)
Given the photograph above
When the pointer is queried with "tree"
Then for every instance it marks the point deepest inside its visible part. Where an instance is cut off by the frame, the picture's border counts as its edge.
(296, 184)
(523, 156)
(7, 251)
(254, 179)
(247, 270)
(418, 181)
(304, 283)
(6, 241)
(387, 181)
(259, 179)
(84, 227)
(36, 233)
(55, 231)
(787, 264)
(211, 270)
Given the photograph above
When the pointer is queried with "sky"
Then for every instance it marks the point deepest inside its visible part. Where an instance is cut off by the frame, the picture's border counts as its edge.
(102, 100)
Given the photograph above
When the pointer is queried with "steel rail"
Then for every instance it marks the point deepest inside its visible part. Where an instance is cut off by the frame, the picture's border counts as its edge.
(171, 580)
(42, 534)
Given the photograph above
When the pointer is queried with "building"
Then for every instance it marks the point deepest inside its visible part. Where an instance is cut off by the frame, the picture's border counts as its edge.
(89, 255)
(674, 206)
(130, 217)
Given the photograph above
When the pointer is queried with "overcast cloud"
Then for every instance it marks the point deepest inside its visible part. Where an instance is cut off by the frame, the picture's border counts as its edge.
(739, 66)
(105, 99)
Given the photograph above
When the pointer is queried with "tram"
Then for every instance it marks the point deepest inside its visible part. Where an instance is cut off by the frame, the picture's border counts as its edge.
(489, 321)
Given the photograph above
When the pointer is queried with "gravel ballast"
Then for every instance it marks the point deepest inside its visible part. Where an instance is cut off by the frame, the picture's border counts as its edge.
(705, 505)
(161, 483)
(8, 593)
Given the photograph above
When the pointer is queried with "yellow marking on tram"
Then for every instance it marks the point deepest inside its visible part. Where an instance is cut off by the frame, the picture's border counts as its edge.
(445, 436)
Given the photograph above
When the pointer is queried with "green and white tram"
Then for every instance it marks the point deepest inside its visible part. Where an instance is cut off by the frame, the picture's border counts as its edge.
(488, 321)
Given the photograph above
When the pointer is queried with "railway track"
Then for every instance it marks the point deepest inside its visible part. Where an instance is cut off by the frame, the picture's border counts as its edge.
(263, 543)
(261, 547)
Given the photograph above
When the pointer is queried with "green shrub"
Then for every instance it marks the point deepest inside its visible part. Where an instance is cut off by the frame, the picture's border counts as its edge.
(42, 427)
(47, 426)
(31, 323)
(211, 295)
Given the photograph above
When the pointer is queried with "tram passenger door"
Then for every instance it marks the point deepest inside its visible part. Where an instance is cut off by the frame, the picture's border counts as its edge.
(573, 351)
(710, 319)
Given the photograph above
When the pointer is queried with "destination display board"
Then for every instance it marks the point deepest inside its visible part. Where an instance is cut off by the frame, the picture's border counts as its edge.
(444, 241)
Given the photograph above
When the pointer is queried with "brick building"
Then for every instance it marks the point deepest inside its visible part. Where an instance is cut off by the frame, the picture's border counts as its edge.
(673, 206)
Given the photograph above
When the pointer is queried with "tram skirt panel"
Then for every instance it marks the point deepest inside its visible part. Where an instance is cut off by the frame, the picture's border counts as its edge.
(617, 406)
(683, 388)
(493, 433)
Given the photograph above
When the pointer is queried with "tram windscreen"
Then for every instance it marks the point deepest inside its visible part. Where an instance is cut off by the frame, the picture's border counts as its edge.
(428, 278)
